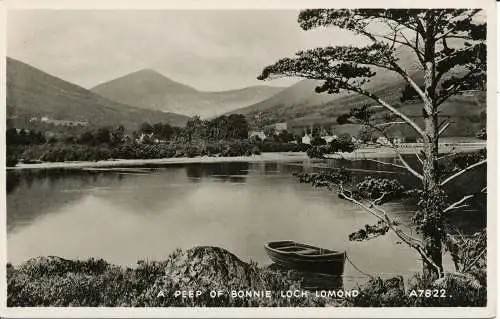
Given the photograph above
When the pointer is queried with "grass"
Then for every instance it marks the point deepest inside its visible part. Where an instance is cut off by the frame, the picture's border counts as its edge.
(58, 282)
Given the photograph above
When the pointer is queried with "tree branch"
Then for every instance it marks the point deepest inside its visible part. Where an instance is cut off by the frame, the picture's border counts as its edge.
(404, 237)
(471, 263)
(456, 204)
(390, 123)
(400, 157)
(446, 33)
(390, 108)
(441, 130)
(397, 68)
(385, 163)
(446, 155)
(449, 179)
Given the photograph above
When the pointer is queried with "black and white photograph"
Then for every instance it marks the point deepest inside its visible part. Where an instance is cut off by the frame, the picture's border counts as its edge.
(230, 156)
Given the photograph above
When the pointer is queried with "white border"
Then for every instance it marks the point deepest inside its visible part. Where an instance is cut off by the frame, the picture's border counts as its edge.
(125, 312)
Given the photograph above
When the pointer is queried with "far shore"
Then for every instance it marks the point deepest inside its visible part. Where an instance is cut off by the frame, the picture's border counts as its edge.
(358, 154)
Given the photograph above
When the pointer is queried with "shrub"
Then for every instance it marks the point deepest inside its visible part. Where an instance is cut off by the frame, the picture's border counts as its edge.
(53, 281)
(317, 151)
(256, 150)
(11, 160)
(317, 141)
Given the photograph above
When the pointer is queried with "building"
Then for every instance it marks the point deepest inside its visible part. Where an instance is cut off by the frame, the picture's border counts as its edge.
(398, 140)
(144, 137)
(383, 141)
(280, 127)
(329, 138)
(46, 119)
(306, 139)
(259, 134)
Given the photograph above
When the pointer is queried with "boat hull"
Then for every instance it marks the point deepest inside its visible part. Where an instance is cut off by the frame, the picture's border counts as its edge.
(330, 263)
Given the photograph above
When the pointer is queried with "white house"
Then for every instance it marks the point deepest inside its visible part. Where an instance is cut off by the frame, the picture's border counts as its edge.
(329, 138)
(306, 139)
(143, 136)
(383, 141)
(280, 127)
(259, 134)
(397, 140)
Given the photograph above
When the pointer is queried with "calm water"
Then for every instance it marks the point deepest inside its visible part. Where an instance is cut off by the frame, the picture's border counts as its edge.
(147, 213)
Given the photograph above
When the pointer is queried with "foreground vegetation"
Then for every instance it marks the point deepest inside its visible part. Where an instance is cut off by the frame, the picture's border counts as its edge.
(53, 281)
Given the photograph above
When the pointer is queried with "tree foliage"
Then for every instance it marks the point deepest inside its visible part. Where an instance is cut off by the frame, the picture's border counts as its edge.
(449, 53)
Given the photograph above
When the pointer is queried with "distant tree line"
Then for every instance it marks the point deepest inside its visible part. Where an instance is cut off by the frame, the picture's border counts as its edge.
(221, 136)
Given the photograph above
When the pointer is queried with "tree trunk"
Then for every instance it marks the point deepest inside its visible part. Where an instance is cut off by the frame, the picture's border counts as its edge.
(432, 201)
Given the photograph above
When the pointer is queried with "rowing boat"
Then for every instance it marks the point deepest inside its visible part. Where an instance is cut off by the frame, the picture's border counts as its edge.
(303, 257)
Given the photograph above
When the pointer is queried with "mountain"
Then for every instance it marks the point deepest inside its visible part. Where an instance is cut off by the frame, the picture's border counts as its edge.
(300, 106)
(35, 98)
(149, 89)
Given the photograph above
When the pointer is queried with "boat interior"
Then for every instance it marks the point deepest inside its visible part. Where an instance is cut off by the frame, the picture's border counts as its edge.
(300, 248)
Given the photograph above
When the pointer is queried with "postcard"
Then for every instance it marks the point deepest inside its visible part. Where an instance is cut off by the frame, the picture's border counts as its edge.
(249, 159)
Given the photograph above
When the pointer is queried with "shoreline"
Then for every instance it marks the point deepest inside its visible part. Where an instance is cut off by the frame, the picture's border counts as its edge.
(359, 154)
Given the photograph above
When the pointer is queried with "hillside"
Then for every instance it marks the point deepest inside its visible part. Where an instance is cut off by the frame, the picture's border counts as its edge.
(149, 89)
(301, 106)
(35, 99)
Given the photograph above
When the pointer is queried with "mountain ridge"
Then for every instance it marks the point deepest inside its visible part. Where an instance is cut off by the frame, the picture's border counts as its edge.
(300, 106)
(35, 94)
(150, 89)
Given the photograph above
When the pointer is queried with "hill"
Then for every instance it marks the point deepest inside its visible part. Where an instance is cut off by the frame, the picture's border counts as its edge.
(36, 99)
(149, 89)
(300, 106)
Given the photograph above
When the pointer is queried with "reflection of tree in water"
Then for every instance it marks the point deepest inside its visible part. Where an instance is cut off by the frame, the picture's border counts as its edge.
(52, 176)
(34, 192)
(12, 180)
(234, 172)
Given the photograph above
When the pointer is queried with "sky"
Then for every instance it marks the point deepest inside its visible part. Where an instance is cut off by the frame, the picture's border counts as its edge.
(211, 50)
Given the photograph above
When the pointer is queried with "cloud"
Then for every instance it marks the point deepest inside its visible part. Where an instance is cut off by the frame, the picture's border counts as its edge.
(207, 49)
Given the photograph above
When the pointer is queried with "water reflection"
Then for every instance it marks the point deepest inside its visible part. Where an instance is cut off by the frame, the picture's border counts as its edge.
(124, 216)
(224, 172)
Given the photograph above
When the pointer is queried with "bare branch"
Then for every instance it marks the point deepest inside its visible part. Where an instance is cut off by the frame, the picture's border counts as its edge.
(454, 89)
(385, 163)
(404, 237)
(446, 33)
(420, 54)
(457, 52)
(397, 68)
(398, 229)
(378, 200)
(447, 155)
(390, 123)
(389, 107)
(419, 159)
(470, 264)
(398, 154)
(449, 179)
(457, 205)
(444, 128)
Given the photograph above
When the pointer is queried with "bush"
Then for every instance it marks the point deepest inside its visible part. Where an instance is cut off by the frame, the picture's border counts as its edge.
(459, 290)
(341, 145)
(191, 151)
(317, 141)
(317, 151)
(61, 152)
(53, 281)
(11, 160)
(256, 150)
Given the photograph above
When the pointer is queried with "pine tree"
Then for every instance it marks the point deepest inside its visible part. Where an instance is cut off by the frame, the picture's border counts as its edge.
(450, 48)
